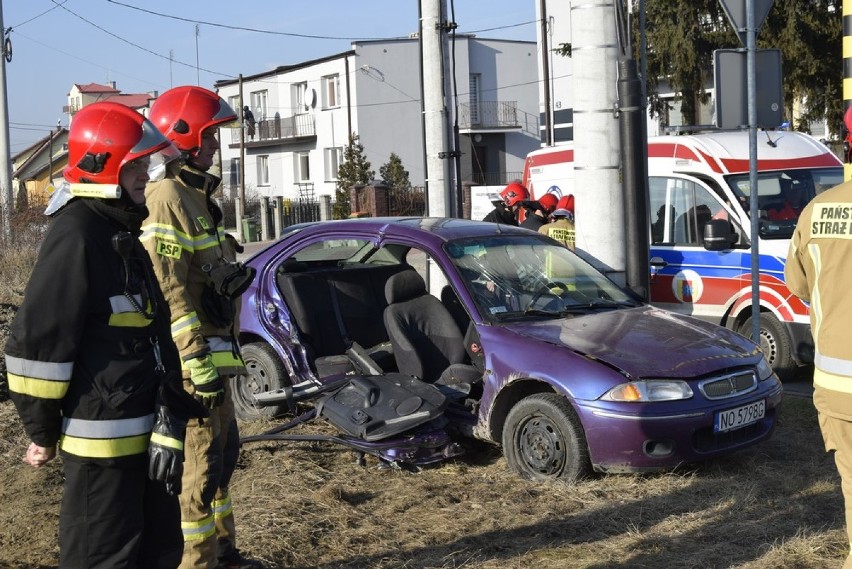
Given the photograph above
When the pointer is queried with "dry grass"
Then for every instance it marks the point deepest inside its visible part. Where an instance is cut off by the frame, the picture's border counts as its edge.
(308, 505)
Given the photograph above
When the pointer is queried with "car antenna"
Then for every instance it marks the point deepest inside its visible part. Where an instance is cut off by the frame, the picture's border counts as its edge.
(774, 143)
(769, 141)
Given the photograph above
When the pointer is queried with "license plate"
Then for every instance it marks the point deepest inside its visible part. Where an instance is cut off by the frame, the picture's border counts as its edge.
(739, 416)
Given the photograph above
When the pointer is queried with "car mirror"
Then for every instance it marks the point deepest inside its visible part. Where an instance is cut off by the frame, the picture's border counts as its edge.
(718, 235)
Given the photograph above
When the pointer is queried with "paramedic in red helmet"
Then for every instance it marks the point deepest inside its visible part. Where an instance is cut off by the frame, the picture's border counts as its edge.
(506, 210)
(195, 262)
(91, 365)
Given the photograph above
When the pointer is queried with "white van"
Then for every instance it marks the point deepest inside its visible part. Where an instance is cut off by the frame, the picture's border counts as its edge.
(694, 179)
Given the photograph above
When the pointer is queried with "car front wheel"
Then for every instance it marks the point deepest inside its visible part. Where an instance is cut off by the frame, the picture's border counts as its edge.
(543, 439)
(775, 343)
(265, 372)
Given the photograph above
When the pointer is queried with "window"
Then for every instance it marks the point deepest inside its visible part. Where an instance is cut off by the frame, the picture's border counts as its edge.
(235, 104)
(263, 170)
(234, 172)
(333, 157)
(330, 91)
(473, 98)
(297, 97)
(301, 167)
(259, 105)
(680, 209)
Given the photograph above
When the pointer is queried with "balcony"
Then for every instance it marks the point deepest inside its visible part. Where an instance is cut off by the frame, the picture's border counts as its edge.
(277, 131)
(489, 116)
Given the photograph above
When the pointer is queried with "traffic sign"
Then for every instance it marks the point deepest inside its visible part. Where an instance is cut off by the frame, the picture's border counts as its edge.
(730, 82)
(736, 12)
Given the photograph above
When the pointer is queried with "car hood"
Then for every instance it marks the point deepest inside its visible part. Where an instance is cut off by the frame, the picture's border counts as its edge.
(647, 342)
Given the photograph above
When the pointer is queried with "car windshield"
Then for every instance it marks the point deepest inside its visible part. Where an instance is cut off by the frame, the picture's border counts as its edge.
(782, 194)
(511, 277)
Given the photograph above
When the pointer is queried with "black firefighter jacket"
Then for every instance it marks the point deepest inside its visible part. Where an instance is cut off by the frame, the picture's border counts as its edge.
(81, 357)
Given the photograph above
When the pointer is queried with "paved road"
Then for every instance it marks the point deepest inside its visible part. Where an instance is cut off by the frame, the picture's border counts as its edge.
(252, 248)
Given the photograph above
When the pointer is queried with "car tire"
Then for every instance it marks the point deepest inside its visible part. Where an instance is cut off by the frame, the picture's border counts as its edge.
(543, 439)
(775, 343)
(265, 372)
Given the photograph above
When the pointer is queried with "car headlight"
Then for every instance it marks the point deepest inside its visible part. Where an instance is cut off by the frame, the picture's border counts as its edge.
(650, 390)
(764, 370)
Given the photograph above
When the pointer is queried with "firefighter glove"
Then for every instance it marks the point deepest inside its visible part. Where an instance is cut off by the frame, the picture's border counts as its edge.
(209, 387)
(165, 451)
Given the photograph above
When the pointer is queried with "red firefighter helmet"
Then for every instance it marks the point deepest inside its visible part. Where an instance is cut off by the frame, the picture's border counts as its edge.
(565, 207)
(548, 203)
(184, 113)
(103, 137)
(514, 193)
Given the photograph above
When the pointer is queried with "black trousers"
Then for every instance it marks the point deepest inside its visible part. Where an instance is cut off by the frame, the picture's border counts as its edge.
(115, 518)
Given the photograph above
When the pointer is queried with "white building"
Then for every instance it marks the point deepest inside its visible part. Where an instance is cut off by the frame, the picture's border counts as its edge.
(305, 112)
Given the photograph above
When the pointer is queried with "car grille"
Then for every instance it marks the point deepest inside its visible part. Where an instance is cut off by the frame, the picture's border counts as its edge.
(729, 385)
(705, 440)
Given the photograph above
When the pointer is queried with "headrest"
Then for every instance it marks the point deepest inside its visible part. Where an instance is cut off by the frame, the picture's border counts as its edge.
(404, 286)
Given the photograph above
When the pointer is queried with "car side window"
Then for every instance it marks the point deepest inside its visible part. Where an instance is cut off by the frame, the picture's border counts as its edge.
(329, 252)
(679, 210)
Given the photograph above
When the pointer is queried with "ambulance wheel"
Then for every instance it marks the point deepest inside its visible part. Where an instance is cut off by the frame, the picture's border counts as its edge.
(265, 372)
(543, 439)
(775, 343)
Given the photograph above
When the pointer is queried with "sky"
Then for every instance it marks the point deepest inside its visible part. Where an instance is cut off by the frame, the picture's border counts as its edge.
(152, 45)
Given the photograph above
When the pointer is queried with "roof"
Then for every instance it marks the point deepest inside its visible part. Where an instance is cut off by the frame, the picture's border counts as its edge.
(38, 148)
(132, 100)
(96, 88)
(284, 69)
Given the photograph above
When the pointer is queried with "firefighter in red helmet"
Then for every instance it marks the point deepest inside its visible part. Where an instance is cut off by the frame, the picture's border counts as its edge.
(195, 262)
(507, 207)
(93, 370)
(562, 227)
(538, 211)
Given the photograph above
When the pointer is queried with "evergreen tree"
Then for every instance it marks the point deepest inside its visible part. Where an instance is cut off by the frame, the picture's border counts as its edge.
(395, 177)
(355, 170)
(682, 34)
(809, 34)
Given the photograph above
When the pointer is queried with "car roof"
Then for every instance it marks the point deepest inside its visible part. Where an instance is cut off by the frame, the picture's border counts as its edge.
(442, 228)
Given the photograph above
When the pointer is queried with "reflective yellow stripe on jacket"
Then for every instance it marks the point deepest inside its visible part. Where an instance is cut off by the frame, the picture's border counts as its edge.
(222, 351)
(46, 380)
(190, 243)
(106, 438)
(124, 314)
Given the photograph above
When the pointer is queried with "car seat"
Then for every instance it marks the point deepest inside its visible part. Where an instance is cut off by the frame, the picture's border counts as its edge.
(426, 340)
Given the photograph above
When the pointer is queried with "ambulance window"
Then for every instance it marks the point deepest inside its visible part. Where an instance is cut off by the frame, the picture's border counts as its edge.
(680, 209)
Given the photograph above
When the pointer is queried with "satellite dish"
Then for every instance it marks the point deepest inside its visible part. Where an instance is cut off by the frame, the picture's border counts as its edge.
(311, 98)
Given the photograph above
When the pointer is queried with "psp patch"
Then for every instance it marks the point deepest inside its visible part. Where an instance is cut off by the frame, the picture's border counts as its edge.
(168, 249)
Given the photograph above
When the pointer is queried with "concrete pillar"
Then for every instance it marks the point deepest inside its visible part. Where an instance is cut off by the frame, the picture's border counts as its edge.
(264, 219)
(325, 208)
(277, 210)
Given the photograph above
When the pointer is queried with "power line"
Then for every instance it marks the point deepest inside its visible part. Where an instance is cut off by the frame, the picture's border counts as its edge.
(145, 49)
(36, 16)
(241, 28)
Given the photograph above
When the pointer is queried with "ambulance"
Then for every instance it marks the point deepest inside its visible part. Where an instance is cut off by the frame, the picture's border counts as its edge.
(700, 246)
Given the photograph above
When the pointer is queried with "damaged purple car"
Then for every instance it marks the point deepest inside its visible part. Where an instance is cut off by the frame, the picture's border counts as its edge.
(411, 335)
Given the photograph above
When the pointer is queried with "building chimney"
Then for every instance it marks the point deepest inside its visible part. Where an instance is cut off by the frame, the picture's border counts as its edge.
(112, 84)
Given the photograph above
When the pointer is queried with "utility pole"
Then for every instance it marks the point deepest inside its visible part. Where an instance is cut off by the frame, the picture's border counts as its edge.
(242, 201)
(847, 76)
(545, 67)
(5, 157)
(594, 52)
(432, 39)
